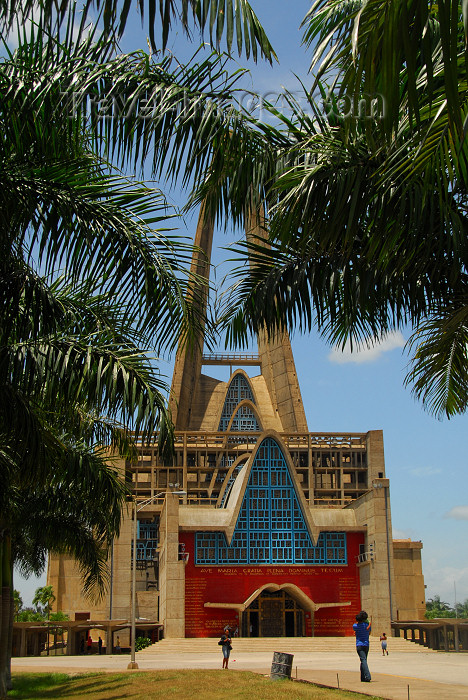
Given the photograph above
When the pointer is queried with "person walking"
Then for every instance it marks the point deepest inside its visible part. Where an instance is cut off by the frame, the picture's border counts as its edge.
(225, 643)
(362, 629)
(383, 644)
(100, 645)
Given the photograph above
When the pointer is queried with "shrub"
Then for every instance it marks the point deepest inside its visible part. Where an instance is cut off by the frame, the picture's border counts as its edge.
(142, 643)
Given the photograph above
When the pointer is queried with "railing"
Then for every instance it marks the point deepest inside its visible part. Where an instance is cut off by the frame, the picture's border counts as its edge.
(365, 556)
(231, 359)
(333, 441)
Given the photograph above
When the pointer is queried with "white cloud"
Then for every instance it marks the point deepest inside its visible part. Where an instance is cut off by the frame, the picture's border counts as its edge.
(400, 534)
(425, 471)
(24, 27)
(367, 353)
(446, 581)
(458, 513)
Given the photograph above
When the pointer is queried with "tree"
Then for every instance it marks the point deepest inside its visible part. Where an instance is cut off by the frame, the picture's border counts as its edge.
(435, 607)
(232, 19)
(461, 609)
(28, 614)
(45, 597)
(17, 603)
(86, 280)
(367, 211)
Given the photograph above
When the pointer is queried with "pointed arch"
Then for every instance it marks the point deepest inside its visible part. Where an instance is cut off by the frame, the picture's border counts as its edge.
(238, 391)
(271, 527)
(245, 418)
(231, 476)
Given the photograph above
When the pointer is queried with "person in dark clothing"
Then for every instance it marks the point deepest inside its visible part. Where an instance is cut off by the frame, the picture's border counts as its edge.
(362, 629)
(225, 642)
(100, 645)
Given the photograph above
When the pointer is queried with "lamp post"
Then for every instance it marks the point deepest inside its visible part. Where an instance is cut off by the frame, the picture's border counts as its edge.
(136, 510)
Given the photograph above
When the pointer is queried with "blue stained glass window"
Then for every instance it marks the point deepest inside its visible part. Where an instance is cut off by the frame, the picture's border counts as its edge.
(239, 390)
(147, 541)
(270, 528)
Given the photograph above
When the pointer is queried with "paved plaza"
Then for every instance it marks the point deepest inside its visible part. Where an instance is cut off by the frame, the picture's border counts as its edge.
(428, 675)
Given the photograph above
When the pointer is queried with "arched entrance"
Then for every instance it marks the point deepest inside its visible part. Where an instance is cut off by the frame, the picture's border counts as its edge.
(273, 614)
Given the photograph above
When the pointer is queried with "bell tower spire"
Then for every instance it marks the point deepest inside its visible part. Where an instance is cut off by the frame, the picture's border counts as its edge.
(192, 394)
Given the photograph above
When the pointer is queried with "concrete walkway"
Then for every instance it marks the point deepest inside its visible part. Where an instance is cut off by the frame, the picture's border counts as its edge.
(429, 675)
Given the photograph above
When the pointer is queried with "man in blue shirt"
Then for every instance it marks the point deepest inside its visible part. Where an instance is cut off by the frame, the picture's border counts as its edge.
(362, 630)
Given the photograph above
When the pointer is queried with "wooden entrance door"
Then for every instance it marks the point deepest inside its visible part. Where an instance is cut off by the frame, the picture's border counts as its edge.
(273, 614)
(271, 617)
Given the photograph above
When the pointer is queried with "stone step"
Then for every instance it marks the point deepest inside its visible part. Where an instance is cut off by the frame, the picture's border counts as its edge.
(287, 644)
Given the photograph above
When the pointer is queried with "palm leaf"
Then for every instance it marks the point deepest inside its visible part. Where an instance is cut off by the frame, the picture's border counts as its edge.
(192, 14)
(438, 376)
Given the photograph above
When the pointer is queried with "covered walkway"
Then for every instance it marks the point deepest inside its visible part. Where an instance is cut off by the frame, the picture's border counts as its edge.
(441, 634)
(34, 638)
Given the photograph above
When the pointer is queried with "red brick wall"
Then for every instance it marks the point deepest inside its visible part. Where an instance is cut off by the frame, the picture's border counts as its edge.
(234, 584)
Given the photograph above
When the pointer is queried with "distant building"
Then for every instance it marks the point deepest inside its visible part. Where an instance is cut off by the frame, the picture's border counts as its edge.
(278, 532)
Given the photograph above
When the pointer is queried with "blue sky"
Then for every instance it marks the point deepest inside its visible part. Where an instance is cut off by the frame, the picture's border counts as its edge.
(426, 459)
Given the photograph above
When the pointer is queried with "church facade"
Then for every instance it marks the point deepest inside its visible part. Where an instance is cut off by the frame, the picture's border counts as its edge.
(258, 523)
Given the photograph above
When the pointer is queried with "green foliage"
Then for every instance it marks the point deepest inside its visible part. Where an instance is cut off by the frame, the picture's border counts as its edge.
(142, 643)
(435, 607)
(58, 616)
(74, 379)
(366, 228)
(233, 20)
(44, 597)
(17, 602)
(91, 285)
(30, 615)
(462, 609)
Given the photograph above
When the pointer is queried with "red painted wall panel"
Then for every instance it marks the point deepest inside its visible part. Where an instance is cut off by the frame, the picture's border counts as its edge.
(234, 584)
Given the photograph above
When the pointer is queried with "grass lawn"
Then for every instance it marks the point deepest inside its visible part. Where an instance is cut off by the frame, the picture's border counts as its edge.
(144, 685)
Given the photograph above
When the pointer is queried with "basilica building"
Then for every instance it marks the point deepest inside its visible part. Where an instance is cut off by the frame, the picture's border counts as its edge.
(257, 523)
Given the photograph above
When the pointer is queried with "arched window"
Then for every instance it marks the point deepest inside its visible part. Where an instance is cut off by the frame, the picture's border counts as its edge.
(239, 390)
(270, 528)
(244, 420)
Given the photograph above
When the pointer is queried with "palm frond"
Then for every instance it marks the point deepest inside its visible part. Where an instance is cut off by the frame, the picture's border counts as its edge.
(233, 20)
(438, 375)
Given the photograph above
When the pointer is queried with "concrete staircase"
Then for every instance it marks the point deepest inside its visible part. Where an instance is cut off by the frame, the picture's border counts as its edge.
(290, 645)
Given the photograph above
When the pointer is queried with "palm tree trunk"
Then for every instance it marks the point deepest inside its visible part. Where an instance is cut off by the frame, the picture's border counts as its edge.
(2, 679)
(9, 682)
(5, 611)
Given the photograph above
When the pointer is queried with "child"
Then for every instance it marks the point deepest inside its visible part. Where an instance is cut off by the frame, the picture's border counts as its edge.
(383, 640)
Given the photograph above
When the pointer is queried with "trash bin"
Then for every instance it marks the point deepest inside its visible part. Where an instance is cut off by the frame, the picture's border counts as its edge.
(282, 665)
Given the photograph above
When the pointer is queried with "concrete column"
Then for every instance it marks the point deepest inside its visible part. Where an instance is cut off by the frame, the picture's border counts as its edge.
(455, 638)
(446, 642)
(23, 649)
(70, 636)
(171, 571)
(377, 575)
